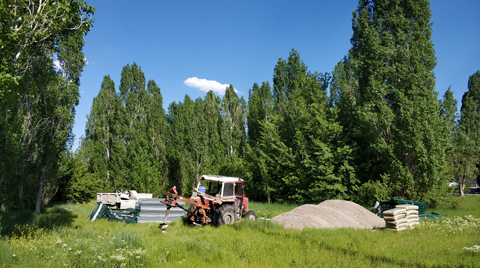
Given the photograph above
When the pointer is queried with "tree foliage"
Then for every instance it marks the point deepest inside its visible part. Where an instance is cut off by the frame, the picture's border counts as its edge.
(126, 134)
(298, 154)
(38, 102)
(466, 154)
(379, 133)
(395, 109)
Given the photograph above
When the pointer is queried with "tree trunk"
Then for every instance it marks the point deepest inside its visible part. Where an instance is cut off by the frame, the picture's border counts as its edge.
(38, 204)
(268, 191)
(108, 165)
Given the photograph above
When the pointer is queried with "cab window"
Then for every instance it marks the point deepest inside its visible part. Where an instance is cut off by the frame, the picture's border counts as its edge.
(239, 189)
(228, 189)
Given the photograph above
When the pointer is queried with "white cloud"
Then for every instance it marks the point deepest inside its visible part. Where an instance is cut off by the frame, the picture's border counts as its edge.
(206, 85)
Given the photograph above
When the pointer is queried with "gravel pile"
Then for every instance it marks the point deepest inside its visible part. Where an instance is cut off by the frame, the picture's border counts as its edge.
(330, 214)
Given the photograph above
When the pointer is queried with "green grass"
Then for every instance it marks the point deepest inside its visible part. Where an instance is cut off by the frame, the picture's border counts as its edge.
(269, 210)
(468, 205)
(61, 238)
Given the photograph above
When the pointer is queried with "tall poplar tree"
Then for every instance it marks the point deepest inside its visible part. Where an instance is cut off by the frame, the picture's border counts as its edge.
(141, 173)
(260, 104)
(181, 144)
(211, 113)
(466, 153)
(100, 129)
(470, 120)
(260, 109)
(448, 112)
(157, 134)
(232, 130)
(396, 108)
(127, 134)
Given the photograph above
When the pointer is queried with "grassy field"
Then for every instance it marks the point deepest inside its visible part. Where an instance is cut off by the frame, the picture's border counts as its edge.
(61, 238)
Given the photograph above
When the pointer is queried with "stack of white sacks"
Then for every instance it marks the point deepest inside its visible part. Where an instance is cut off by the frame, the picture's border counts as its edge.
(401, 217)
(411, 215)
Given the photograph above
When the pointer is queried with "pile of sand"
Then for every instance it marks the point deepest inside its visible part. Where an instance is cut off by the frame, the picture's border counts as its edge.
(330, 214)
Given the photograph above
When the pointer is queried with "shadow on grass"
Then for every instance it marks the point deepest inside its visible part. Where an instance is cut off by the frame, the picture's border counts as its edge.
(21, 223)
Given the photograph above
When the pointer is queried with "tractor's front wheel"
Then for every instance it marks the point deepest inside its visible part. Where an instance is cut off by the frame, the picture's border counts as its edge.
(250, 215)
(225, 215)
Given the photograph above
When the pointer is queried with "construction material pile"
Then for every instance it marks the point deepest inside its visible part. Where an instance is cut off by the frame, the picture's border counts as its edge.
(421, 206)
(153, 210)
(401, 217)
(330, 214)
(384, 205)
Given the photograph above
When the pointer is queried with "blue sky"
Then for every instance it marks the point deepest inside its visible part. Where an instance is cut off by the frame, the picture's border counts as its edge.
(190, 46)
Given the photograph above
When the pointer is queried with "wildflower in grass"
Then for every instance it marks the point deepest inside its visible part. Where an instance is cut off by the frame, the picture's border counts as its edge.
(140, 251)
(120, 258)
(14, 255)
(475, 248)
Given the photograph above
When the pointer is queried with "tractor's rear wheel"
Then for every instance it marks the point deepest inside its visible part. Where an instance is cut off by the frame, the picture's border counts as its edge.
(191, 209)
(225, 215)
(197, 216)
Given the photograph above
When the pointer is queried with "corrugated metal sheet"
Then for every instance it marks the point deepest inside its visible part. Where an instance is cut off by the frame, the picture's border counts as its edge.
(152, 210)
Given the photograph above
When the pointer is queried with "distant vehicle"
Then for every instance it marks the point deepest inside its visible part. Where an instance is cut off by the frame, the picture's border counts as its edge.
(473, 184)
(453, 183)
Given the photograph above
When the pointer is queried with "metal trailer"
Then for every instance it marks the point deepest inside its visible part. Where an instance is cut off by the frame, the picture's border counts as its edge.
(130, 206)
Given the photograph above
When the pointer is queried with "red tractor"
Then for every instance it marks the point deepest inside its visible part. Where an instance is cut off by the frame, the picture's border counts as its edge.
(216, 199)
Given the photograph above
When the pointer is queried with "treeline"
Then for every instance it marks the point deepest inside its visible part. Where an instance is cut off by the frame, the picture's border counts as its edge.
(371, 129)
(132, 143)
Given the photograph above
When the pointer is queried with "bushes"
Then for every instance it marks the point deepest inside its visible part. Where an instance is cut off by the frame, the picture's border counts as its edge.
(372, 191)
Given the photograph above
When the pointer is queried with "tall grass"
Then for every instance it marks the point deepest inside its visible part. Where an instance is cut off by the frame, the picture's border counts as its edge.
(269, 210)
(449, 242)
(468, 205)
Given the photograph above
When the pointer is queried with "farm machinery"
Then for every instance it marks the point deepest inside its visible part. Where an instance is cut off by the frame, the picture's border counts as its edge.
(216, 200)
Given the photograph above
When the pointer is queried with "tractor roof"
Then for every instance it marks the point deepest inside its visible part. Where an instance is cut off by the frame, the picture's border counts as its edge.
(220, 178)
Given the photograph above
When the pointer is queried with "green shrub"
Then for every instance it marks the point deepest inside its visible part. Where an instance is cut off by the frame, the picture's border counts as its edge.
(370, 192)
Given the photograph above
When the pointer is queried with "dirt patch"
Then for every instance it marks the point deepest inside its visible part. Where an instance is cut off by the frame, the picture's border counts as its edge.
(330, 214)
